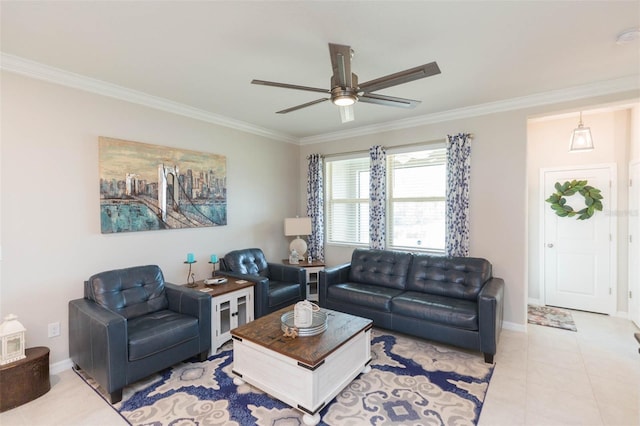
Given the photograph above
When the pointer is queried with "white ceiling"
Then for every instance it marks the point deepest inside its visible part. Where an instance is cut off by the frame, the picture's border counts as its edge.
(204, 54)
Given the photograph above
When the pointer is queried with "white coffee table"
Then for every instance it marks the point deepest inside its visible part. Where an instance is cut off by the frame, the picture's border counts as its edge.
(306, 372)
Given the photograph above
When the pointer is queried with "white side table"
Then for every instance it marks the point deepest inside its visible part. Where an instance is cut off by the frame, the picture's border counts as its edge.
(313, 273)
(231, 306)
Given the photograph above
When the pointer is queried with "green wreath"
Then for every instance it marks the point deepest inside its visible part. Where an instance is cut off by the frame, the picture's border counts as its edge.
(591, 196)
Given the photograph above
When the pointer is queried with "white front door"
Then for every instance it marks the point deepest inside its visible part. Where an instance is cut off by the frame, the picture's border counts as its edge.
(578, 261)
(634, 242)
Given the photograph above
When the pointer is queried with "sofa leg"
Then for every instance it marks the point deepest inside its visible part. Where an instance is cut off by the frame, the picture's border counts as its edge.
(488, 358)
(203, 356)
(115, 396)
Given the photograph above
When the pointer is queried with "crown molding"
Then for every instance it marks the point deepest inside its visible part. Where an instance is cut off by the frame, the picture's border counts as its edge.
(18, 65)
(555, 96)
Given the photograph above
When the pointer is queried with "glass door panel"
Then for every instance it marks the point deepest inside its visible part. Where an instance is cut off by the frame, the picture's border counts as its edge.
(242, 310)
(225, 317)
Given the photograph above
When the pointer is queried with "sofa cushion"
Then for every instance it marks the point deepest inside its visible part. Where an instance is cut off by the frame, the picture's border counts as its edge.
(372, 296)
(459, 277)
(380, 267)
(156, 332)
(130, 292)
(440, 309)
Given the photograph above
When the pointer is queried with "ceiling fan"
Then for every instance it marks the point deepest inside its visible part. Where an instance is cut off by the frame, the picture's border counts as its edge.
(345, 90)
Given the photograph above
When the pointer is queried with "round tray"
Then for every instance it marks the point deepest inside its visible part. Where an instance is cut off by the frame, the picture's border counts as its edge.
(318, 323)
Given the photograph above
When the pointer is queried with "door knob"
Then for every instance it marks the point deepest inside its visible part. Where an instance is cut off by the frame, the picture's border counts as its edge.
(550, 245)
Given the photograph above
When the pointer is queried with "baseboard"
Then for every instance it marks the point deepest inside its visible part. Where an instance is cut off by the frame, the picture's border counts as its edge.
(61, 366)
(522, 328)
(536, 302)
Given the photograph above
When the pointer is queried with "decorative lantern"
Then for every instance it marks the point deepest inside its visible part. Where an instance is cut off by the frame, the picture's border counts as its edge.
(12, 335)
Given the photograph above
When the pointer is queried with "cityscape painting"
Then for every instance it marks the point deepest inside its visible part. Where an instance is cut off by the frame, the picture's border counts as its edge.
(149, 187)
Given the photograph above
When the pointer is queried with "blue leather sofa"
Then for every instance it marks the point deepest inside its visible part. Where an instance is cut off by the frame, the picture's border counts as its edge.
(453, 300)
(131, 324)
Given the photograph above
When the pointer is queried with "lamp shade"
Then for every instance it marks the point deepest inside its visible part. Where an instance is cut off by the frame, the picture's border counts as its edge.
(581, 138)
(296, 226)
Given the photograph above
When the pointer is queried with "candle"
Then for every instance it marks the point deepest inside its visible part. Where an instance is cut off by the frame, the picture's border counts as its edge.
(190, 258)
(214, 258)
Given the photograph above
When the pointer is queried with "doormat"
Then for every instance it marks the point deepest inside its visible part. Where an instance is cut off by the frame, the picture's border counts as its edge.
(412, 382)
(551, 317)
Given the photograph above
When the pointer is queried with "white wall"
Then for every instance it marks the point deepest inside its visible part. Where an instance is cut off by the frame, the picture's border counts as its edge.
(548, 147)
(499, 188)
(51, 240)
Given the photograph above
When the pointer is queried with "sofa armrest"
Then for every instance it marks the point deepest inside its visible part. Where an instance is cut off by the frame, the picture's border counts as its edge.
(330, 276)
(98, 342)
(261, 287)
(187, 301)
(287, 273)
(490, 314)
(259, 280)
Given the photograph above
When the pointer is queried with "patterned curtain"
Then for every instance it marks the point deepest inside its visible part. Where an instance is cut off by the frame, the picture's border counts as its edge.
(315, 206)
(457, 211)
(377, 197)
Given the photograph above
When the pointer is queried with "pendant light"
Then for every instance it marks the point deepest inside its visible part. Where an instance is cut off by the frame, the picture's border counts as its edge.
(581, 138)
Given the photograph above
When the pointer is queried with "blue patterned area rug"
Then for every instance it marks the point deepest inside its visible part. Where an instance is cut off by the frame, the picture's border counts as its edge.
(412, 382)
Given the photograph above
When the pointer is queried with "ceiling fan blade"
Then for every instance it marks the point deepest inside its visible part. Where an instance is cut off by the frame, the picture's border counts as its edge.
(341, 64)
(290, 86)
(317, 101)
(374, 98)
(426, 70)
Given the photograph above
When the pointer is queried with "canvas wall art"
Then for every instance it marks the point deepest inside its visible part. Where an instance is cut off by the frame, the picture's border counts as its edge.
(150, 187)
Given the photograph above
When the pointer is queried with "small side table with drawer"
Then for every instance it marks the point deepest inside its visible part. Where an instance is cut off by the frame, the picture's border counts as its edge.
(313, 273)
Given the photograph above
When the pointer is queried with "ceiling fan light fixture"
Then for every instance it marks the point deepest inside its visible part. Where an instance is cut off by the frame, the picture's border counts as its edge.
(344, 100)
(343, 97)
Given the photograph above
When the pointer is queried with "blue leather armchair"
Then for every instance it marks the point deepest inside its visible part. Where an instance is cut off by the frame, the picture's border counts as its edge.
(131, 324)
(277, 285)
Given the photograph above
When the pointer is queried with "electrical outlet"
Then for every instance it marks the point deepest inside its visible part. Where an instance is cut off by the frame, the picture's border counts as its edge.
(54, 329)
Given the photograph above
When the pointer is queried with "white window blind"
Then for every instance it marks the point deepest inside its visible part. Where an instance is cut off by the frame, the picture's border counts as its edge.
(416, 194)
(348, 201)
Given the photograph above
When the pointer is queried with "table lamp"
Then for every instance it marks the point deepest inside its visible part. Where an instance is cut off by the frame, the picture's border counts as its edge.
(297, 226)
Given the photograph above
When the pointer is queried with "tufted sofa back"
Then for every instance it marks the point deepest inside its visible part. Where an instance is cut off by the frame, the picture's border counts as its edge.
(381, 267)
(130, 292)
(246, 261)
(460, 277)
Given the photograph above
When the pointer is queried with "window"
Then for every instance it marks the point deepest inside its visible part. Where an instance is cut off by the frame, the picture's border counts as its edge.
(416, 194)
(348, 201)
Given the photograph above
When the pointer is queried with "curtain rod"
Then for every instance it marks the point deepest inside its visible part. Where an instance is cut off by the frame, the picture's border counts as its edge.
(337, 154)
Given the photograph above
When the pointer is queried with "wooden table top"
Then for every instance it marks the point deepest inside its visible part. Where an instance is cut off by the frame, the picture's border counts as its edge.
(310, 350)
(220, 289)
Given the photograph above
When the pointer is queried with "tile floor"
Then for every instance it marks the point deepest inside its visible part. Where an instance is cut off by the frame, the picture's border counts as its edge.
(550, 376)
(546, 376)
